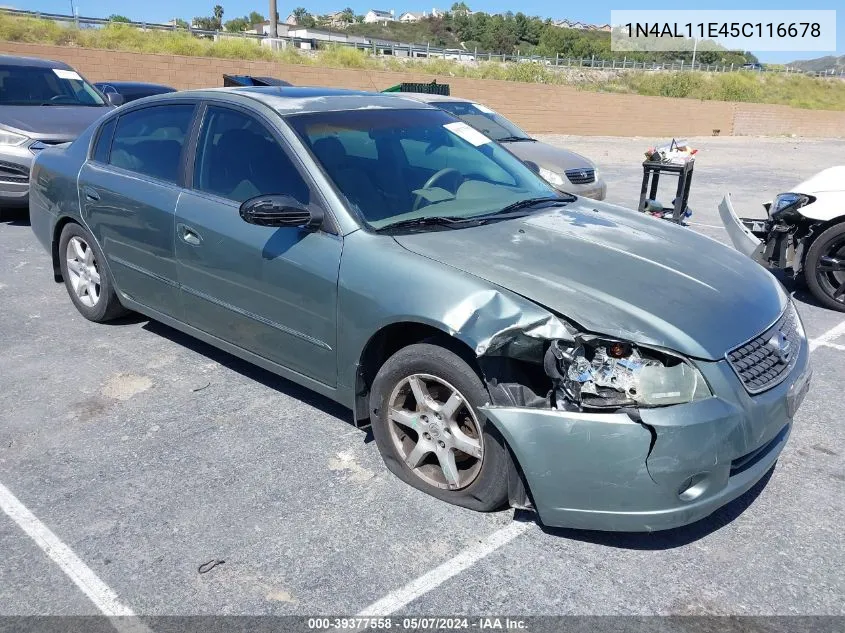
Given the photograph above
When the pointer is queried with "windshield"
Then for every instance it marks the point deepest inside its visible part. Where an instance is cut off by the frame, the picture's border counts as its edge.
(36, 86)
(395, 165)
(484, 119)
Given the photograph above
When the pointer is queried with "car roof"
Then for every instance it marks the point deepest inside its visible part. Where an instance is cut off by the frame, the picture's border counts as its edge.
(132, 84)
(299, 100)
(429, 98)
(13, 60)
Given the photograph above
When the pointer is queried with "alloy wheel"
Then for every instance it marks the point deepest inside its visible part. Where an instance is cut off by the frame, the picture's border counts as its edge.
(830, 271)
(82, 271)
(436, 432)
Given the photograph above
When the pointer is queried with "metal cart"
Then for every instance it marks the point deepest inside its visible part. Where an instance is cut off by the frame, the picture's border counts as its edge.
(651, 178)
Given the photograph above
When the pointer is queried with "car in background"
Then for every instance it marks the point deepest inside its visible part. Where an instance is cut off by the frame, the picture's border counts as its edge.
(234, 81)
(42, 103)
(565, 170)
(752, 66)
(132, 90)
(509, 344)
(804, 234)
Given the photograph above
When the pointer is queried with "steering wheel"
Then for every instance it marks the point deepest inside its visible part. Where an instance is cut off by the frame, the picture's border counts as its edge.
(435, 178)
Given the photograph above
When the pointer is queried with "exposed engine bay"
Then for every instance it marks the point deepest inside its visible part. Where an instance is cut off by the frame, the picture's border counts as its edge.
(784, 234)
(600, 374)
(590, 373)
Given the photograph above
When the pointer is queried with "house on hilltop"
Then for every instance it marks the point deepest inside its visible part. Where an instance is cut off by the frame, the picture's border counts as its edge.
(377, 16)
(412, 16)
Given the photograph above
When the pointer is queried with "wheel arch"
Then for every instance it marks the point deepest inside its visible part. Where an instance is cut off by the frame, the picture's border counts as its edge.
(392, 337)
(61, 223)
(388, 340)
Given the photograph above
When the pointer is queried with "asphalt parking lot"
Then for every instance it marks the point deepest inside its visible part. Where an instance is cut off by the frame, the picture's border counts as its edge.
(148, 454)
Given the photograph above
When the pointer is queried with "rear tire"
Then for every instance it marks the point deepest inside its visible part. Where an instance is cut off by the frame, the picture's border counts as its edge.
(441, 444)
(86, 278)
(825, 277)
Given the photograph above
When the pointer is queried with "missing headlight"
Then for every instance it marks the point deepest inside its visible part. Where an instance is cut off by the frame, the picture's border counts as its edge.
(604, 374)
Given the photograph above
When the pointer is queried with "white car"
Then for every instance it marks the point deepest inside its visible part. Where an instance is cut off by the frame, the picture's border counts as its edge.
(805, 233)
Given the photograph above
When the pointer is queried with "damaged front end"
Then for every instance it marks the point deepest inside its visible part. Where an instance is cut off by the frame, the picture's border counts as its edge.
(778, 242)
(615, 435)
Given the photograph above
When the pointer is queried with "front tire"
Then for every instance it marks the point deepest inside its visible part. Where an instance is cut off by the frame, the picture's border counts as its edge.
(824, 267)
(86, 277)
(424, 411)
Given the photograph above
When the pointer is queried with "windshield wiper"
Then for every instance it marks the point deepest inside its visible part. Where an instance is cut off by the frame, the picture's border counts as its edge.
(514, 139)
(435, 220)
(527, 204)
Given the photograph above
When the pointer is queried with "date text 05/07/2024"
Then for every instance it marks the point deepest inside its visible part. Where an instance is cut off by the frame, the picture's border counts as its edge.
(384, 623)
(723, 29)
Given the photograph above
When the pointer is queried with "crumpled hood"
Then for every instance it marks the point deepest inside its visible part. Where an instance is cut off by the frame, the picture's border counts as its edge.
(59, 123)
(548, 156)
(620, 273)
(830, 179)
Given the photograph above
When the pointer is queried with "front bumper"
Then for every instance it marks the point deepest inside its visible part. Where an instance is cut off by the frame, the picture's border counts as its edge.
(15, 163)
(596, 190)
(678, 464)
(740, 230)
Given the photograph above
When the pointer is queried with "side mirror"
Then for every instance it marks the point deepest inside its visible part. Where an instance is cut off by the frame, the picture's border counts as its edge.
(280, 210)
(115, 99)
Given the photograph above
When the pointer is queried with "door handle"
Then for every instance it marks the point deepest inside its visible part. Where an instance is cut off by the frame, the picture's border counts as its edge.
(188, 235)
(91, 194)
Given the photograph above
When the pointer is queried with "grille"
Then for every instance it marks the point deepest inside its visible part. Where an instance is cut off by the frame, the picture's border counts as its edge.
(581, 176)
(10, 172)
(765, 361)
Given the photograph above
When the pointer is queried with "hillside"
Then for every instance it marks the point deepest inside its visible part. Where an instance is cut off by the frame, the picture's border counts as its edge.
(820, 64)
(509, 33)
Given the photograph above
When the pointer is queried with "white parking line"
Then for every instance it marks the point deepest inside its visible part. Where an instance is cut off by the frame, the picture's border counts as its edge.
(827, 337)
(395, 600)
(97, 591)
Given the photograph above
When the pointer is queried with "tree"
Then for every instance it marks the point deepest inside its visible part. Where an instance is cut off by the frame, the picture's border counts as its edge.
(299, 14)
(347, 15)
(255, 18)
(179, 23)
(460, 7)
(114, 17)
(214, 23)
(238, 25)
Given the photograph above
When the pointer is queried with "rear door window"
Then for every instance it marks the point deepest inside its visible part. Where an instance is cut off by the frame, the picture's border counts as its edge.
(103, 145)
(149, 141)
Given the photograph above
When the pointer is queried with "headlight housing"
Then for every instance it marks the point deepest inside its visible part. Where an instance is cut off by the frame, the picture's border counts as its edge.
(552, 177)
(597, 373)
(786, 205)
(12, 139)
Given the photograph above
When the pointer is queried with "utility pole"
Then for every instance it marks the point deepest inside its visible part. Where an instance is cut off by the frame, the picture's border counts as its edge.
(274, 26)
(694, 46)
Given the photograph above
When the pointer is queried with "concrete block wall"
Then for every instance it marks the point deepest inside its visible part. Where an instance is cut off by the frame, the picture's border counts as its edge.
(537, 108)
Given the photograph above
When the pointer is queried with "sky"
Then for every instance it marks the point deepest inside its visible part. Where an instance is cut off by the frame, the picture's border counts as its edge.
(597, 11)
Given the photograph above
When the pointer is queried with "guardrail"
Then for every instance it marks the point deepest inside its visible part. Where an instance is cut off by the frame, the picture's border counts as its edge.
(382, 47)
